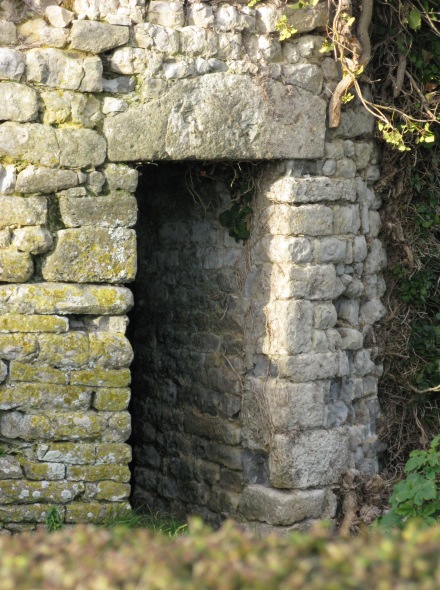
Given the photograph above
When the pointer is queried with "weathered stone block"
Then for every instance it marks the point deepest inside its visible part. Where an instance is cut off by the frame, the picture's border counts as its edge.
(306, 76)
(278, 507)
(35, 373)
(113, 453)
(312, 190)
(283, 249)
(23, 396)
(35, 240)
(147, 35)
(120, 177)
(64, 69)
(167, 14)
(351, 339)
(17, 346)
(12, 64)
(120, 473)
(15, 267)
(95, 512)
(10, 468)
(64, 350)
(310, 282)
(19, 102)
(59, 16)
(276, 123)
(80, 147)
(313, 220)
(310, 459)
(110, 350)
(45, 180)
(15, 322)
(8, 33)
(29, 513)
(37, 32)
(52, 298)
(92, 255)
(96, 37)
(308, 367)
(289, 327)
(24, 142)
(108, 491)
(18, 211)
(101, 377)
(32, 492)
(69, 453)
(44, 471)
(225, 431)
(308, 18)
(52, 426)
(7, 179)
(119, 427)
(296, 406)
(119, 210)
(325, 315)
(111, 400)
(71, 107)
(346, 220)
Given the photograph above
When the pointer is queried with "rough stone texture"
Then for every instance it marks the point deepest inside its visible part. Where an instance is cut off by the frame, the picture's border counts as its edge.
(251, 370)
(92, 255)
(183, 123)
(19, 102)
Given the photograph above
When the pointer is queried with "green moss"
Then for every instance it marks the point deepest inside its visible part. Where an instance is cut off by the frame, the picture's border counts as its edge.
(112, 400)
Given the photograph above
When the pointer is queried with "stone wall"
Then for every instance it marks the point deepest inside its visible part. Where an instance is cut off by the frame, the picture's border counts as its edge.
(254, 384)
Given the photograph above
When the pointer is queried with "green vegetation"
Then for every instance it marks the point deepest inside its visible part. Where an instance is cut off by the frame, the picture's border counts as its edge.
(54, 521)
(418, 495)
(155, 522)
(228, 559)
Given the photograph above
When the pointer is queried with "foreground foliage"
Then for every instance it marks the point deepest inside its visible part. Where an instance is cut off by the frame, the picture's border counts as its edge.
(229, 559)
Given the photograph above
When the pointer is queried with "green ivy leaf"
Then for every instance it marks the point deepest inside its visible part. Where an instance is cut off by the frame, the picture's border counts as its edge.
(414, 19)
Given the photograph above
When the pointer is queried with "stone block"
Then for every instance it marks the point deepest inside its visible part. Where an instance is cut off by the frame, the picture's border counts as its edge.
(294, 406)
(10, 468)
(49, 426)
(28, 513)
(308, 367)
(212, 427)
(290, 123)
(7, 179)
(17, 346)
(94, 512)
(109, 350)
(306, 76)
(147, 36)
(101, 377)
(37, 32)
(351, 339)
(59, 16)
(111, 400)
(121, 177)
(8, 33)
(309, 282)
(33, 492)
(308, 18)
(312, 190)
(330, 249)
(278, 507)
(283, 249)
(200, 14)
(119, 473)
(35, 240)
(19, 102)
(92, 254)
(80, 148)
(311, 459)
(15, 267)
(119, 210)
(15, 322)
(95, 182)
(3, 371)
(64, 69)
(12, 64)
(376, 259)
(25, 141)
(97, 37)
(45, 180)
(44, 396)
(107, 491)
(346, 220)
(195, 42)
(325, 316)
(372, 311)
(71, 107)
(65, 299)
(44, 471)
(167, 14)
(64, 350)
(289, 327)
(35, 373)
(68, 453)
(18, 211)
(119, 85)
(113, 453)
(312, 220)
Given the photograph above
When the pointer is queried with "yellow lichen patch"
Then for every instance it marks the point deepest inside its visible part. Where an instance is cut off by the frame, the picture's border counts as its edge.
(64, 350)
(101, 377)
(44, 471)
(32, 373)
(14, 322)
(112, 400)
(67, 452)
(35, 513)
(110, 350)
(108, 491)
(32, 492)
(44, 396)
(17, 346)
(92, 512)
(113, 453)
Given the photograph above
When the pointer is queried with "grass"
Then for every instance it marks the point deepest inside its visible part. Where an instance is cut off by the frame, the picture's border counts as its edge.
(156, 522)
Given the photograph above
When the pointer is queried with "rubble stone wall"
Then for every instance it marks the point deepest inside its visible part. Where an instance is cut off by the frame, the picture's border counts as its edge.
(281, 390)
